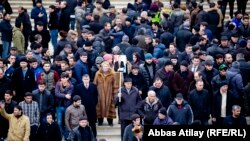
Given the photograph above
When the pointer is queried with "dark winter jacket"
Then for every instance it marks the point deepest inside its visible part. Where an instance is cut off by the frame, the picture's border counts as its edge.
(149, 111)
(98, 44)
(158, 51)
(4, 85)
(244, 30)
(166, 121)
(217, 81)
(130, 50)
(128, 134)
(230, 120)
(79, 133)
(45, 37)
(129, 103)
(117, 36)
(80, 69)
(166, 38)
(34, 15)
(208, 75)
(53, 21)
(47, 101)
(180, 84)
(64, 20)
(22, 84)
(89, 99)
(200, 103)
(60, 46)
(167, 77)
(216, 107)
(49, 132)
(235, 81)
(182, 114)
(163, 94)
(213, 20)
(138, 81)
(182, 38)
(146, 74)
(177, 17)
(6, 30)
(24, 19)
(244, 70)
(60, 93)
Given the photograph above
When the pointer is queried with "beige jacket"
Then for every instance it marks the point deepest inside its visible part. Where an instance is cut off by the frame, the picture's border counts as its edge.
(19, 128)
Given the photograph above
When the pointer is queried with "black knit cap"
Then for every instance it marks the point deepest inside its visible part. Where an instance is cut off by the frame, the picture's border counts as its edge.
(163, 111)
(83, 118)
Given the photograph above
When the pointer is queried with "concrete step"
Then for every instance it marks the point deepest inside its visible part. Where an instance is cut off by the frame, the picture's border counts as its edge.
(110, 138)
(108, 131)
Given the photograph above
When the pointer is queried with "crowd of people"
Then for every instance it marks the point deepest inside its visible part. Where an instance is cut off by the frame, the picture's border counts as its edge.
(154, 64)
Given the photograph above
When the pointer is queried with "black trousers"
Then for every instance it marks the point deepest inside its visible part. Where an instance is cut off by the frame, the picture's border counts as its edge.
(100, 121)
(92, 124)
(219, 121)
(124, 124)
(231, 7)
(33, 130)
(241, 5)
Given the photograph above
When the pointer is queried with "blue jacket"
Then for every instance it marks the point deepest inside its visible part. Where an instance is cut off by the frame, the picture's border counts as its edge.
(158, 50)
(182, 114)
(81, 68)
(35, 12)
(235, 81)
(6, 29)
(166, 121)
(117, 37)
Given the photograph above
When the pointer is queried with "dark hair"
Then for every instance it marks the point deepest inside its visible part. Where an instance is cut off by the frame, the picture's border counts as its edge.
(28, 94)
(46, 62)
(158, 79)
(195, 57)
(19, 108)
(76, 98)
(65, 62)
(9, 92)
(127, 79)
(41, 82)
(188, 45)
(211, 4)
(64, 74)
(156, 24)
(49, 114)
(176, 5)
(124, 10)
(52, 7)
(96, 17)
(157, 40)
(63, 34)
(217, 56)
(44, 50)
(18, 24)
(5, 14)
(83, 54)
(58, 58)
(68, 69)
